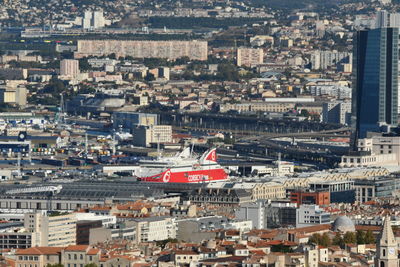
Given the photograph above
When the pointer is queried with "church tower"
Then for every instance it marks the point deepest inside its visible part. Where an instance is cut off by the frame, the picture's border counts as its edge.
(386, 248)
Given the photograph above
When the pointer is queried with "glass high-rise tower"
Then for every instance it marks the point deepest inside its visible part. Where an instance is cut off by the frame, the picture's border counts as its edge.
(375, 80)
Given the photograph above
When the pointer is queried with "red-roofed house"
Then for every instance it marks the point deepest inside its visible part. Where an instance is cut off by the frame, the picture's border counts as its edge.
(38, 256)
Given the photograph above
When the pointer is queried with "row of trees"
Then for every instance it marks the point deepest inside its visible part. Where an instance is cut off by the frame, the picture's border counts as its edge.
(360, 237)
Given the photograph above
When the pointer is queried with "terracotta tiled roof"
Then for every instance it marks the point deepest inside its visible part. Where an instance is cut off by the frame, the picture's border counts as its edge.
(77, 248)
(311, 229)
(281, 242)
(93, 251)
(185, 252)
(40, 251)
(373, 228)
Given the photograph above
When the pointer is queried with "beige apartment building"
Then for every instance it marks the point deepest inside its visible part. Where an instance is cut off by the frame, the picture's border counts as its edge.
(80, 255)
(69, 67)
(258, 107)
(196, 50)
(37, 256)
(249, 57)
(144, 136)
(270, 190)
(51, 230)
(16, 96)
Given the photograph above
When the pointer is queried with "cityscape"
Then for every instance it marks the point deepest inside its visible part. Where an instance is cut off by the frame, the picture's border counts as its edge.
(199, 133)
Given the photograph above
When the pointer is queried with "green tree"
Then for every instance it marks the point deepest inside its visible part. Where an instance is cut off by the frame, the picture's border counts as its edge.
(55, 265)
(360, 236)
(369, 237)
(281, 248)
(54, 87)
(349, 238)
(84, 64)
(338, 240)
(90, 265)
(315, 239)
(325, 240)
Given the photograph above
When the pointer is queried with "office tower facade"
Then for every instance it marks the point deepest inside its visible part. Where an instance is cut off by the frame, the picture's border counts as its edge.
(385, 19)
(375, 80)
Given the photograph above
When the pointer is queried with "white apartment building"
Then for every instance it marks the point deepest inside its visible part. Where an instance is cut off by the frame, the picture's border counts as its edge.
(58, 230)
(321, 60)
(336, 90)
(93, 20)
(308, 215)
(155, 229)
(253, 211)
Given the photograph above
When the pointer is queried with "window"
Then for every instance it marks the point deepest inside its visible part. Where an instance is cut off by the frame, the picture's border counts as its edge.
(75, 257)
(69, 256)
(81, 257)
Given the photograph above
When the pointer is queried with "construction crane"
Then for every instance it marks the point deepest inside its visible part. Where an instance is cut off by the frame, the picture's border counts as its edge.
(50, 190)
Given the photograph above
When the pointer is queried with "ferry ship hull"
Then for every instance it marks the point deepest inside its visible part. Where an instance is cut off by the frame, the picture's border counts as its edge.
(198, 176)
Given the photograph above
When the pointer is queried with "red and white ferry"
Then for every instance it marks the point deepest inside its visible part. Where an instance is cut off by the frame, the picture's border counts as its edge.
(183, 168)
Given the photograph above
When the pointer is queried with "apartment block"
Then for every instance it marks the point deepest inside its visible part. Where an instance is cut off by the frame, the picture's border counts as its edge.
(69, 67)
(51, 230)
(336, 112)
(195, 50)
(155, 228)
(144, 136)
(17, 96)
(308, 215)
(249, 57)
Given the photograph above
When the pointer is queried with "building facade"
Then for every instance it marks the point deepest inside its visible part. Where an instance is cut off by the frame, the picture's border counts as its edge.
(249, 57)
(375, 84)
(51, 230)
(308, 215)
(144, 136)
(195, 50)
(338, 112)
(69, 67)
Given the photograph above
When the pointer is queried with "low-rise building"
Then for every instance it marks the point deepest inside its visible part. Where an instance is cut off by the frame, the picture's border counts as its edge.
(308, 215)
(154, 229)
